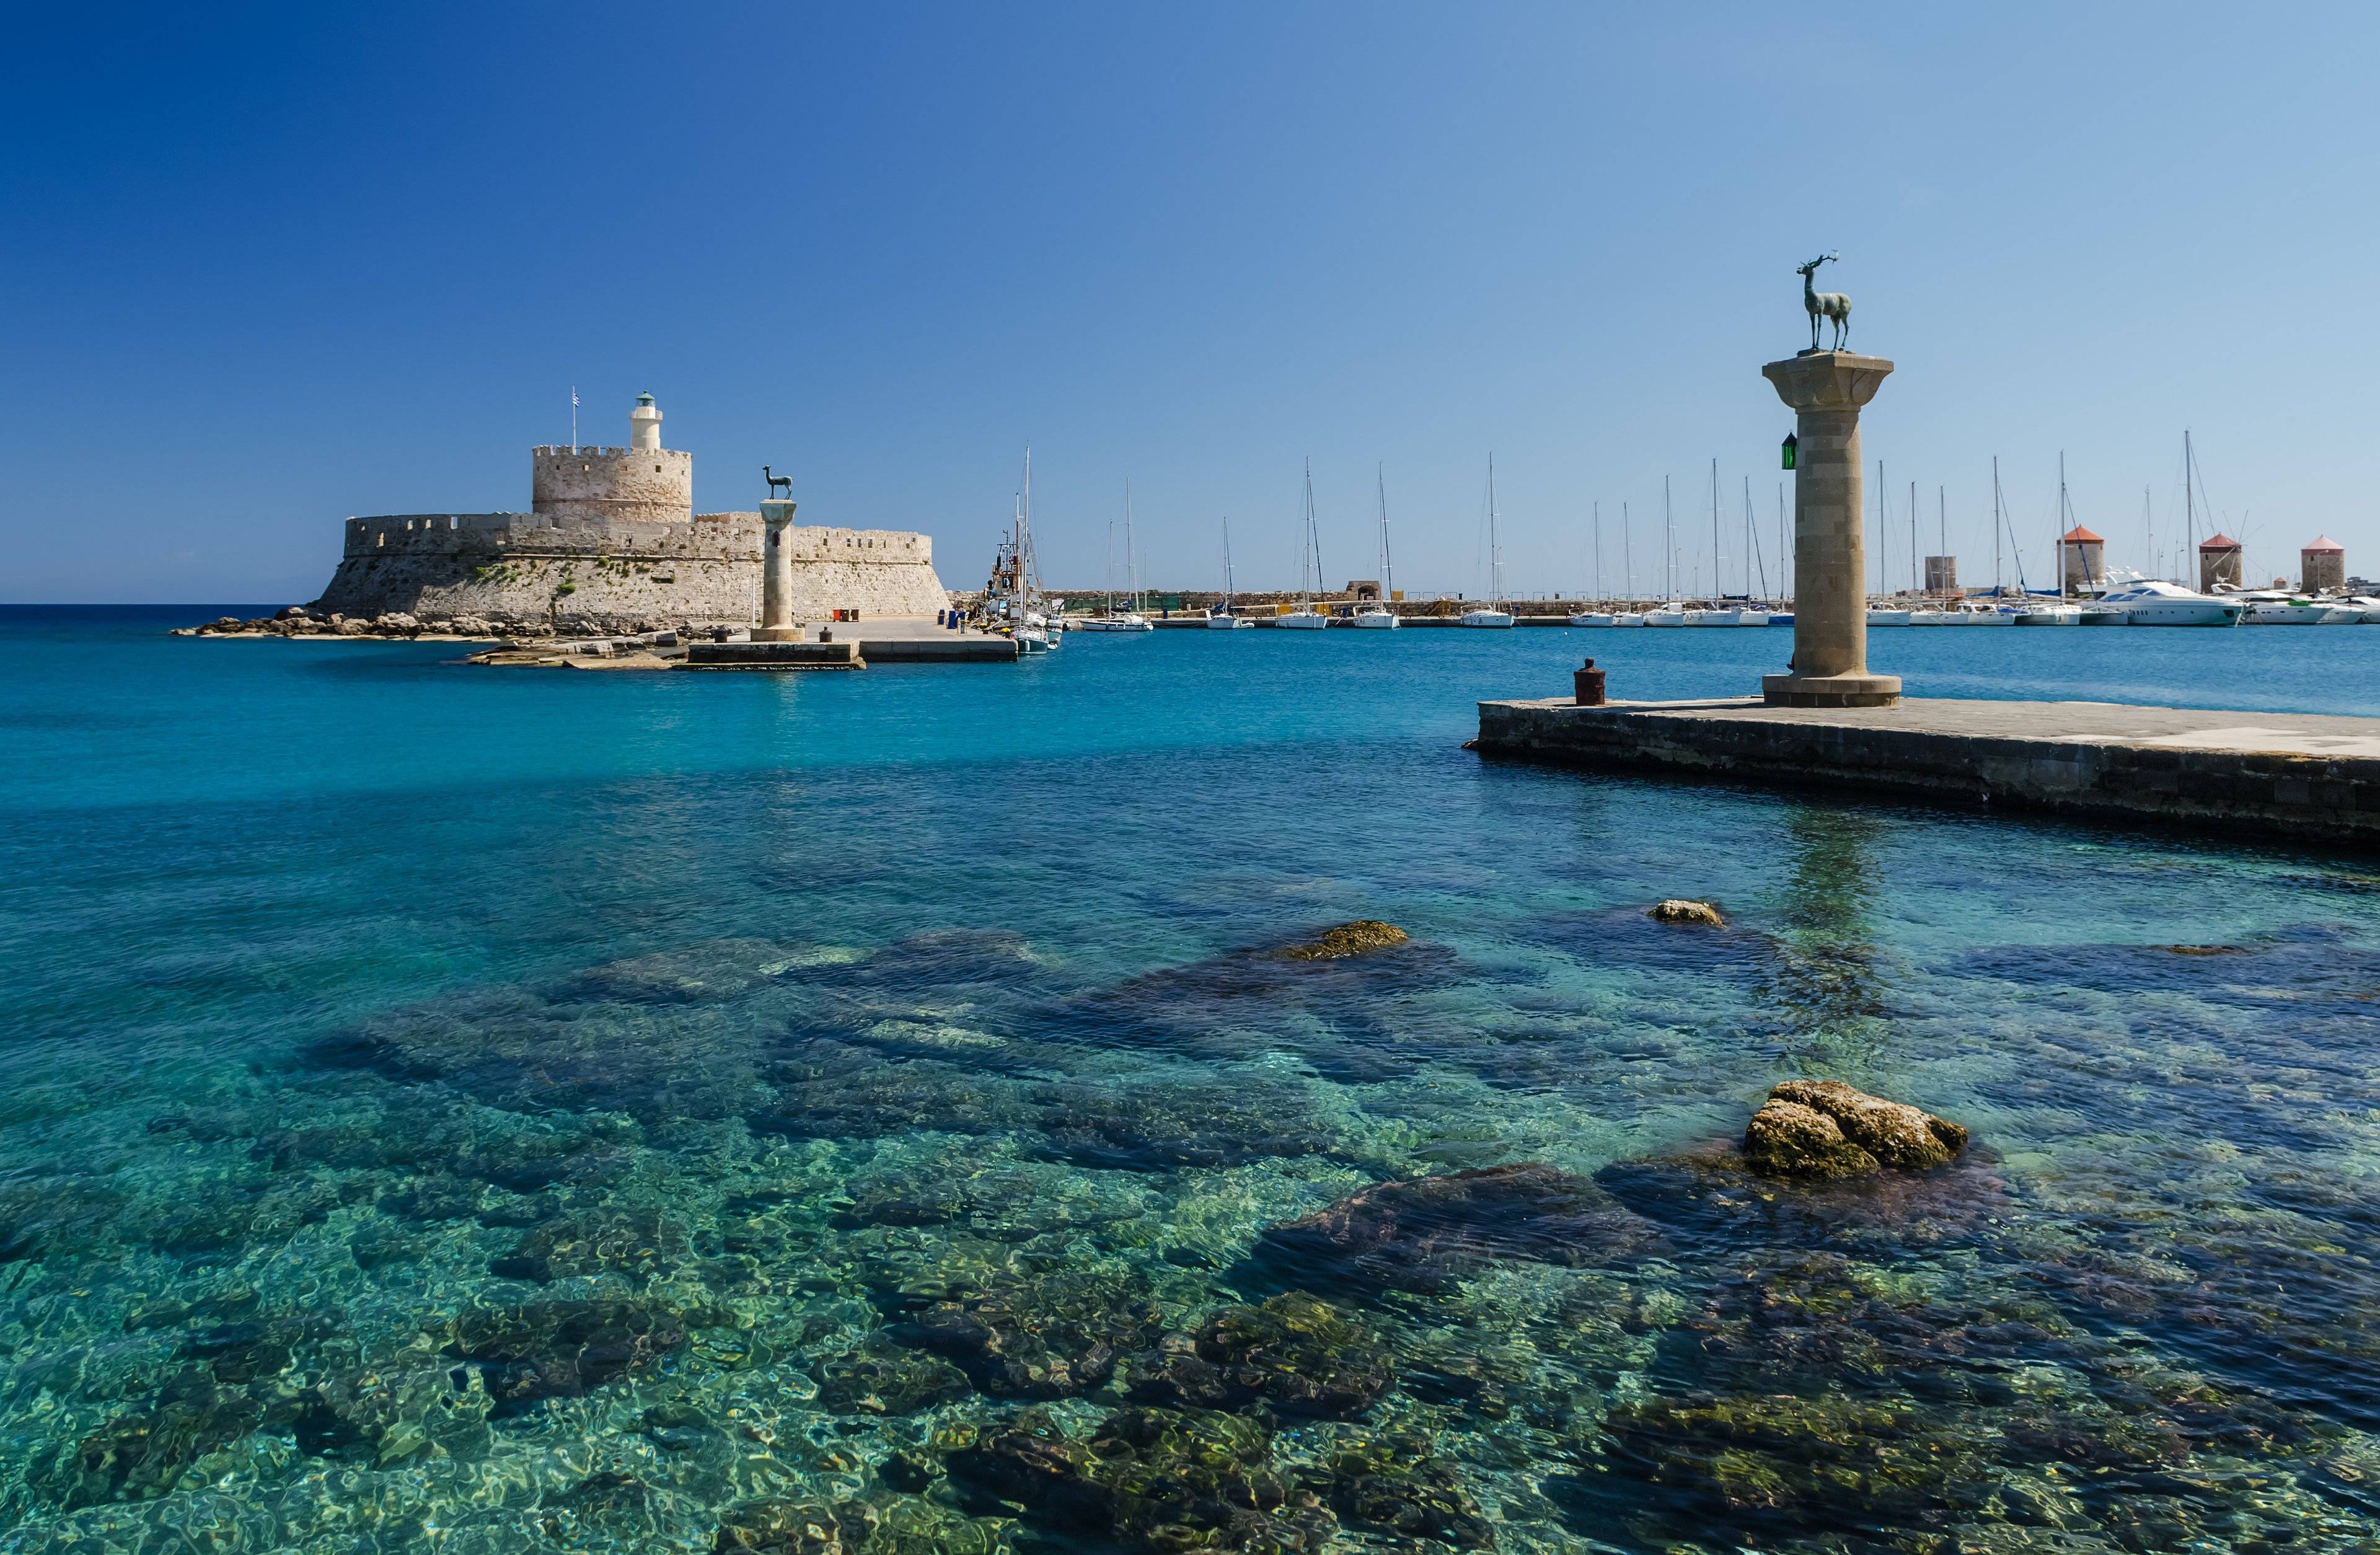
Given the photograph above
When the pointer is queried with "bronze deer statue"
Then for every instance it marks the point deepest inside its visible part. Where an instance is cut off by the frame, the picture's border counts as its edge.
(777, 480)
(1833, 306)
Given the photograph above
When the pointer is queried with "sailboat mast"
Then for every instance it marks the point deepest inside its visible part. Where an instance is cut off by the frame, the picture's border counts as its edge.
(1942, 519)
(2189, 506)
(1598, 552)
(1913, 587)
(1719, 578)
(1495, 546)
(1628, 551)
(1996, 524)
(1670, 543)
(1388, 569)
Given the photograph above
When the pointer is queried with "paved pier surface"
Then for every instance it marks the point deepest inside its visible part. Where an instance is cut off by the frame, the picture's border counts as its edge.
(2309, 777)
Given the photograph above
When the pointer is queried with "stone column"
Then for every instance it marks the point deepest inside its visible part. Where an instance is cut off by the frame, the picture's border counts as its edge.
(1826, 390)
(777, 624)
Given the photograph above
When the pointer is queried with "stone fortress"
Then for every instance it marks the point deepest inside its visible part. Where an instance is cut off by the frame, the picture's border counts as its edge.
(612, 543)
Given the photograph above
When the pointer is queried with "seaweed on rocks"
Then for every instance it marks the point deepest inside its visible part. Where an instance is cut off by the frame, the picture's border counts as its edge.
(540, 1350)
(1297, 1353)
(1039, 1336)
(635, 1243)
(1393, 1481)
(708, 972)
(1424, 1233)
(826, 1089)
(1710, 1194)
(145, 1452)
(1889, 1134)
(884, 1377)
(1152, 1479)
(1159, 1128)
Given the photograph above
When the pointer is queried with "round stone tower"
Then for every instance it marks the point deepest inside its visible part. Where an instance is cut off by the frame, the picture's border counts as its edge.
(644, 482)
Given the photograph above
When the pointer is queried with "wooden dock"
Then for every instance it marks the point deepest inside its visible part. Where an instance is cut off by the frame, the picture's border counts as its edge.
(2312, 777)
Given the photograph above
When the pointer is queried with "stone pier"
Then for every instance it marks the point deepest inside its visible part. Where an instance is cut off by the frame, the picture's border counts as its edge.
(1826, 390)
(777, 622)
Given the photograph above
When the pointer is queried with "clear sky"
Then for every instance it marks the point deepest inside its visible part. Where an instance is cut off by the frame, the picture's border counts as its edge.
(263, 268)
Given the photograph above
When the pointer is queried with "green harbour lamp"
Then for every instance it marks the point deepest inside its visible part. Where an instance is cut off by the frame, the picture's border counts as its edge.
(1792, 445)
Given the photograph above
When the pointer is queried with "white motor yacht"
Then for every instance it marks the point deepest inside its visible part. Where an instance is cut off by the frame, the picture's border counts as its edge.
(2277, 607)
(2366, 608)
(2151, 602)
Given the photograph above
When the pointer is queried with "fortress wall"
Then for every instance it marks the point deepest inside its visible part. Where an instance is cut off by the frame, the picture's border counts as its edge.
(614, 574)
(650, 485)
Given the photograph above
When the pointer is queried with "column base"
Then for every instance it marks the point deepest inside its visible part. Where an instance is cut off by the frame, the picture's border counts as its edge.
(1831, 690)
(782, 634)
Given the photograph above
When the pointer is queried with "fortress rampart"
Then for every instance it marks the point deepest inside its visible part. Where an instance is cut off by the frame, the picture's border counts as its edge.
(613, 543)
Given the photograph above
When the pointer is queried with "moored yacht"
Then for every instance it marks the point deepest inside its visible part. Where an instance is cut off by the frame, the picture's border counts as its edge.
(1306, 618)
(2278, 607)
(1224, 620)
(1375, 615)
(1671, 614)
(2151, 602)
(1493, 614)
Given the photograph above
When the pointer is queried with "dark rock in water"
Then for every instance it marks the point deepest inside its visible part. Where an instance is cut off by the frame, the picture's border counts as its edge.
(1396, 1483)
(1151, 1479)
(1296, 1353)
(1161, 1127)
(898, 1524)
(1841, 1461)
(1824, 1129)
(144, 1453)
(714, 970)
(829, 1090)
(559, 1349)
(636, 1242)
(1713, 1193)
(1423, 1233)
(1786, 1140)
(1043, 1336)
(883, 1377)
(1364, 937)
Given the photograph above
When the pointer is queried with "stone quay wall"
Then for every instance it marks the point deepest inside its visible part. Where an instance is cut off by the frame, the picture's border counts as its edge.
(523, 571)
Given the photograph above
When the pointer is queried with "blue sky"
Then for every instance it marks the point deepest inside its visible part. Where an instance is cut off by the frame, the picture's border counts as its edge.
(265, 268)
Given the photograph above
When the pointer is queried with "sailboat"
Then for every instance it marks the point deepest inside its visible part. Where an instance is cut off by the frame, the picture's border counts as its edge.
(1131, 619)
(1027, 621)
(1306, 618)
(1377, 615)
(1493, 614)
(1226, 621)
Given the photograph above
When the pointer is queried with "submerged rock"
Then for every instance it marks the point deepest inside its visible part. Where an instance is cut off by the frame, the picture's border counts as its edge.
(1396, 1483)
(636, 1243)
(145, 1452)
(1423, 1233)
(1296, 1353)
(1825, 1128)
(1362, 937)
(1044, 1336)
(1676, 909)
(1151, 1479)
(883, 1377)
(559, 1349)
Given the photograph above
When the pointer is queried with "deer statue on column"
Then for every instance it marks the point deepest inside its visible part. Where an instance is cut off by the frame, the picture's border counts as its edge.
(1833, 306)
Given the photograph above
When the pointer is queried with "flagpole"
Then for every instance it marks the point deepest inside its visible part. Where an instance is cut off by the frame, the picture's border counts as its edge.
(574, 418)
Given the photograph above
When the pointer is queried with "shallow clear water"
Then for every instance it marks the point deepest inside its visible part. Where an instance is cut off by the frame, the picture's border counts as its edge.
(448, 1109)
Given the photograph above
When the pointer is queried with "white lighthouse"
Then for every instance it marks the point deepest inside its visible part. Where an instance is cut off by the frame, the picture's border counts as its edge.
(645, 424)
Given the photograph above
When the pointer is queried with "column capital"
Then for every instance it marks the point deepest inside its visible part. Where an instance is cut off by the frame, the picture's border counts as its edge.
(1827, 379)
(777, 513)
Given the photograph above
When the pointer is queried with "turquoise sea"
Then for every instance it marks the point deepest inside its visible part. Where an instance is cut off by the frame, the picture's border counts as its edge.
(454, 1110)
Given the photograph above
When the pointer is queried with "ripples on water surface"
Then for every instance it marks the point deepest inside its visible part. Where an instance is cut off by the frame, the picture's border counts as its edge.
(478, 1112)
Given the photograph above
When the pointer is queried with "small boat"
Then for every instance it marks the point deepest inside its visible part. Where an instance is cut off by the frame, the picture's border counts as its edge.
(1937, 617)
(2276, 607)
(1375, 615)
(1306, 618)
(2048, 615)
(1707, 617)
(1987, 615)
(1122, 621)
(1752, 618)
(1671, 614)
(1876, 617)
(1780, 618)
(1226, 621)
(1492, 615)
(1629, 618)
(1593, 618)
(2151, 602)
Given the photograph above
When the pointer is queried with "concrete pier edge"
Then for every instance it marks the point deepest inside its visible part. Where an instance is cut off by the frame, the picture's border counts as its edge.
(2309, 778)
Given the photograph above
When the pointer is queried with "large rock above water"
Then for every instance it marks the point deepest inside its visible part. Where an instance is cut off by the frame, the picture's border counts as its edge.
(1827, 1129)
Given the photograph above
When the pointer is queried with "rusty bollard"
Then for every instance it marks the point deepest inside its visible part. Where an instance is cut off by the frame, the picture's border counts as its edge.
(1587, 682)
